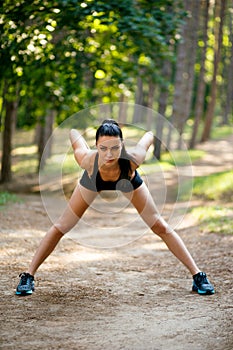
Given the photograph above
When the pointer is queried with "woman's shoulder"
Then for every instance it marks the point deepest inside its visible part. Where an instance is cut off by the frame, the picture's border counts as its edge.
(133, 165)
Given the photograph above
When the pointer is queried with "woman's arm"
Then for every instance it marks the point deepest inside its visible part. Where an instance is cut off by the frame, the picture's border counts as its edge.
(138, 154)
(82, 152)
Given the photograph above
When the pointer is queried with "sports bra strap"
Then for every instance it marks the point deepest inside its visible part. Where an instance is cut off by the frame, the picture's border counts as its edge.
(96, 168)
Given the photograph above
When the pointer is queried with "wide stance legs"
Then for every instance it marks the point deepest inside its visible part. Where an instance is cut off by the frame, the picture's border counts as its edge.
(143, 202)
(145, 205)
(78, 203)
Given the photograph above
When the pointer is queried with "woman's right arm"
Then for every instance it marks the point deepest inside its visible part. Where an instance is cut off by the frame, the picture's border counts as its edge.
(82, 153)
(138, 154)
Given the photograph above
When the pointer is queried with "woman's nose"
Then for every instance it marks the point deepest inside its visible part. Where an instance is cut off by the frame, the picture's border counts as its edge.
(109, 153)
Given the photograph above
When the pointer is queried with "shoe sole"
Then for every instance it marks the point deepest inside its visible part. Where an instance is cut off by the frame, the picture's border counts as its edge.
(29, 292)
(201, 292)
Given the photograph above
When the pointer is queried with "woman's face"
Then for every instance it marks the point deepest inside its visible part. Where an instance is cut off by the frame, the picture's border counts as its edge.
(109, 149)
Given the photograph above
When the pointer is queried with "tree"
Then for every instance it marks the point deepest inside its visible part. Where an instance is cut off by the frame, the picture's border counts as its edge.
(17, 52)
(200, 94)
(44, 136)
(70, 54)
(184, 77)
(228, 105)
(220, 6)
(9, 122)
(162, 104)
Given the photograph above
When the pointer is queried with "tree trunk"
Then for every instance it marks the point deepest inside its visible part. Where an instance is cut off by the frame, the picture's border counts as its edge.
(220, 11)
(3, 102)
(122, 117)
(10, 117)
(186, 56)
(229, 98)
(163, 96)
(138, 101)
(150, 102)
(199, 104)
(44, 138)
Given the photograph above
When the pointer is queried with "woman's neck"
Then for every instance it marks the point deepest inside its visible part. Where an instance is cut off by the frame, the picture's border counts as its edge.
(109, 172)
(109, 167)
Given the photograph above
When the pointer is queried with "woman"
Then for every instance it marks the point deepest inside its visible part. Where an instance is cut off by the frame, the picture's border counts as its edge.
(110, 167)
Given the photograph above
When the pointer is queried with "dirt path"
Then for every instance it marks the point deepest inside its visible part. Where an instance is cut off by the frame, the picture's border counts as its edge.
(134, 297)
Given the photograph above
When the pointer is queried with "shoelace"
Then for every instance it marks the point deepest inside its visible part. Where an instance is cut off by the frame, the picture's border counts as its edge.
(202, 278)
(24, 278)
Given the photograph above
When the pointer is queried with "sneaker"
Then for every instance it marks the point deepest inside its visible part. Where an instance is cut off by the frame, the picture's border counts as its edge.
(201, 284)
(26, 284)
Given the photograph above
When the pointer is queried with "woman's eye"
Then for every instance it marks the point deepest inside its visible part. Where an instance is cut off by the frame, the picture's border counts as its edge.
(115, 148)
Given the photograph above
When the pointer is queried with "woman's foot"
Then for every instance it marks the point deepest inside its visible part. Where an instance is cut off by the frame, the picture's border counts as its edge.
(201, 284)
(26, 284)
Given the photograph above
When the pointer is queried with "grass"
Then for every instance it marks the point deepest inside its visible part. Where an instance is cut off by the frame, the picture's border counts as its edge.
(218, 186)
(61, 163)
(214, 219)
(153, 166)
(217, 132)
(220, 132)
(179, 158)
(6, 197)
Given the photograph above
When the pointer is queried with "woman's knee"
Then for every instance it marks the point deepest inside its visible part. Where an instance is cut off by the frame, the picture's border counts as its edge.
(67, 220)
(54, 233)
(64, 227)
(160, 227)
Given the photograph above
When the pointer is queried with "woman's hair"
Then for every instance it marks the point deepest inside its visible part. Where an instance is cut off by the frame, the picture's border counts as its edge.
(110, 127)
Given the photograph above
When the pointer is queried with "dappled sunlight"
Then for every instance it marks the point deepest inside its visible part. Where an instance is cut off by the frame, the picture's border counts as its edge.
(15, 242)
(25, 150)
(81, 255)
(29, 164)
(154, 246)
(87, 254)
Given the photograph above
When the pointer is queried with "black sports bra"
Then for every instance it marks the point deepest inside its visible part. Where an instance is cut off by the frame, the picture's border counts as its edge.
(96, 183)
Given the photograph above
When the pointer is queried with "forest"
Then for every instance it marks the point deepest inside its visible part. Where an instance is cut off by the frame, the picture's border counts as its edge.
(159, 65)
(58, 58)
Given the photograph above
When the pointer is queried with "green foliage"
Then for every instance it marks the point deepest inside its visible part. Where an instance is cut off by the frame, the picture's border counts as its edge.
(216, 219)
(67, 55)
(6, 197)
(180, 157)
(222, 131)
(154, 166)
(218, 186)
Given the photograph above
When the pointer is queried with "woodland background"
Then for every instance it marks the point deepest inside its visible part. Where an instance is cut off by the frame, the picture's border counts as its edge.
(60, 57)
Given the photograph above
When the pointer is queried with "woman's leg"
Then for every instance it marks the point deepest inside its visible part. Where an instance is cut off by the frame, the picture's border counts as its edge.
(77, 205)
(143, 202)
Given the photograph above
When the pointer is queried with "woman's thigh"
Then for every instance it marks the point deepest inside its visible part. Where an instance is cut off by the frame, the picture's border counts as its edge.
(77, 205)
(145, 205)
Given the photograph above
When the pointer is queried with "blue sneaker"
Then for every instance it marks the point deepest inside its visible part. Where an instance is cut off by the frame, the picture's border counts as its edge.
(201, 284)
(26, 284)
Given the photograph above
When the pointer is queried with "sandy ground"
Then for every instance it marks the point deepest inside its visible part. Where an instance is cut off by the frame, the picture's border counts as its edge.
(134, 296)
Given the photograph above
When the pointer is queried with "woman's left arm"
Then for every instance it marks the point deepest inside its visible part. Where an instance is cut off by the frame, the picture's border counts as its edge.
(82, 153)
(138, 154)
